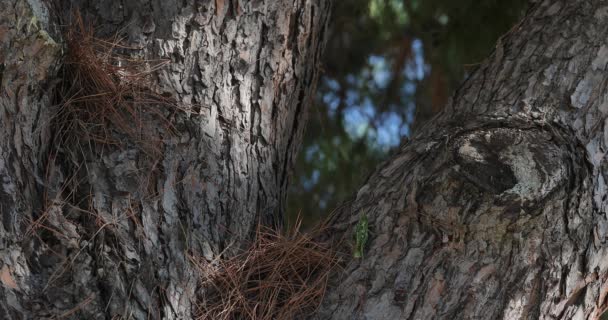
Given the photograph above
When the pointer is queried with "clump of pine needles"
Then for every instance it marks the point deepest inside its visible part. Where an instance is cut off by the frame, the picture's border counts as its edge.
(280, 276)
(105, 97)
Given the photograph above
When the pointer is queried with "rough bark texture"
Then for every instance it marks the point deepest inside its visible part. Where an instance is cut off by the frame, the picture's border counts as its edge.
(497, 208)
(28, 62)
(246, 72)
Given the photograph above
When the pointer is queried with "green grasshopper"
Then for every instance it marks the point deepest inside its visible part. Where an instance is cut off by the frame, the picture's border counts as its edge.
(361, 235)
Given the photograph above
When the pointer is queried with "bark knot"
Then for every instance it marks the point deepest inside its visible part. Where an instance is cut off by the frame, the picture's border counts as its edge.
(516, 164)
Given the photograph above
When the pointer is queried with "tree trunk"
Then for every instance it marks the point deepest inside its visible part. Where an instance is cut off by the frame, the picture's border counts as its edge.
(497, 208)
(81, 236)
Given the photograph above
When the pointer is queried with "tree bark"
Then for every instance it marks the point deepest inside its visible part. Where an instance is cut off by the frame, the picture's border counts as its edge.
(497, 208)
(105, 248)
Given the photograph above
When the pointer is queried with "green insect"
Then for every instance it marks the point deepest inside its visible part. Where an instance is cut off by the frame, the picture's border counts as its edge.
(361, 235)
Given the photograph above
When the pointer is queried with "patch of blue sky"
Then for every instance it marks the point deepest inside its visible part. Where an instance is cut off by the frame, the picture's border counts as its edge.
(416, 69)
(409, 114)
(381, 73)
(309, 182)
(409, 88)
(332, 101)
(351, 79)
(357, 118)
(311, 152)
(336, 141)
(330, 98)
(389, 130)
(332, 84)
(352, 98)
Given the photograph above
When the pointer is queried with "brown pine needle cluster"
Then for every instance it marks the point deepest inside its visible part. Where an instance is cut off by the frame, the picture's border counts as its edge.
(277, 277)
(105, 96)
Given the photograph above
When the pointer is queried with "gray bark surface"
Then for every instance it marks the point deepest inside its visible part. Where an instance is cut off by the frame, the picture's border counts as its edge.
(497, 208)
(28, 63)
(244, 70)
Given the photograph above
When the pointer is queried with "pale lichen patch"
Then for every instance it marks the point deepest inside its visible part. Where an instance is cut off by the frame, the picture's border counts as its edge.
(601, 13)
(584, 90)
(601, 60)
(549, 73)
(469, 151)
(526, 173)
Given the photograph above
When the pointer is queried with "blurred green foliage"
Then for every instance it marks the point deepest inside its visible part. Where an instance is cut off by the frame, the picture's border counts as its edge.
(389, 66)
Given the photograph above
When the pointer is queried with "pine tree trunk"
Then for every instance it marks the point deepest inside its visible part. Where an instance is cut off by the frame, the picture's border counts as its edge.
(108, 232)
(497, 208)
